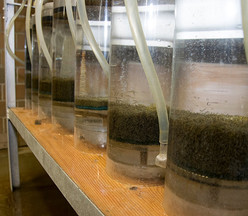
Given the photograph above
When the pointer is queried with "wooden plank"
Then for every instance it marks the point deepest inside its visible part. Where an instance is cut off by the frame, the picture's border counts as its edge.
(76, 197)
(87, 171)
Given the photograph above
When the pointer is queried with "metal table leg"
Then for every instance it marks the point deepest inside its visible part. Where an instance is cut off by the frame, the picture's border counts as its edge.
(13, 157)
(11, 98)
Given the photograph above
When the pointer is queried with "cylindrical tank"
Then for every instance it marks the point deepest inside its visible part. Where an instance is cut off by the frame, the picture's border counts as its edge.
(207, 167)
(91, 88)
(35, 68)
(64, 66)
(133, 136)
(28, 103)
(45, 74)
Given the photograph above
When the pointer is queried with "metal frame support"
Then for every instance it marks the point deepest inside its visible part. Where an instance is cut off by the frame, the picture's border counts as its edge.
(11, 99)
(13, 157)
(19, 4)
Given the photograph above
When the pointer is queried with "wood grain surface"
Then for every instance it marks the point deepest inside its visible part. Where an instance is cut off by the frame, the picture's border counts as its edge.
(88, 172)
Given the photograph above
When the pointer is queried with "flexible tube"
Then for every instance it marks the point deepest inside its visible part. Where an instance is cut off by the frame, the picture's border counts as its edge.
(244, 6)
(28, 13)
(151, 75)
(43, 46)
(71, 20)
(90, 37)
(11, 23)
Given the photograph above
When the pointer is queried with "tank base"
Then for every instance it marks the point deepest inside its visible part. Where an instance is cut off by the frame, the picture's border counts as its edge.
(45, 108)
(34, 103)
(86, 145)
(63, 116)
(187, 197)
(34, 108)
(90, 131)
(133, 174)
(28, 102)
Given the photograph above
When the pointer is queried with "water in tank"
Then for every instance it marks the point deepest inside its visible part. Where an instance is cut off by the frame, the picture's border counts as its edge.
(133, 136)
(45, 74)
(91, 86)
(64, 66)
(28, 104)
(34, 69)
(207, 167)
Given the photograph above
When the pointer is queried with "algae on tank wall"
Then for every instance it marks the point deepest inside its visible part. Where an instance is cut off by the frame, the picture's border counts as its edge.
(63, 89)
(45, 87)
(92, 103)
(135, 124)
(212, 145)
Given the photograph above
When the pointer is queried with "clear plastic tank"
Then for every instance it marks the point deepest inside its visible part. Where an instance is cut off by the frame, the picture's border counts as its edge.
(133, 136)
(91, 89)
(45, 74)
(35, 69)
(28, 103)
(64, 65)
(207, 168)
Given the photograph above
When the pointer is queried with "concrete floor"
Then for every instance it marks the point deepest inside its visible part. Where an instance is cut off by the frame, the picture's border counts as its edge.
(37, 195)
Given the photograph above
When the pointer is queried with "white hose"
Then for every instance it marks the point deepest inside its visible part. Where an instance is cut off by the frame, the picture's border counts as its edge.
(151, 75)
(244, 5)
(71, 20)
(90, 37)
(43, 46)
(11, 23)
(28, 13)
